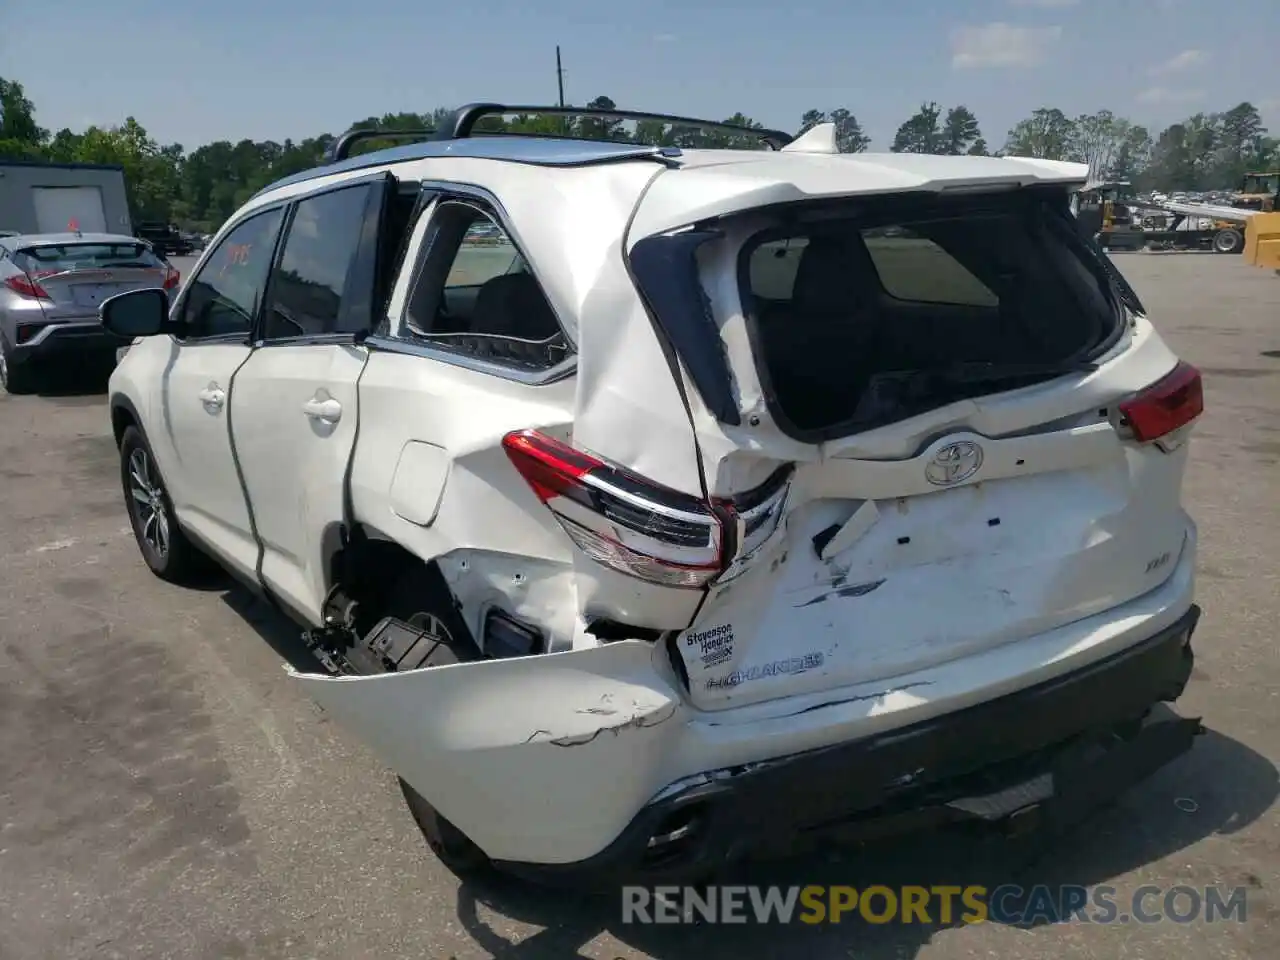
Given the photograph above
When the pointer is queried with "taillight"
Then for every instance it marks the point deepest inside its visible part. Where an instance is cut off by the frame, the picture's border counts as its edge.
(26, 286)
(1160, 411)
(171, 278)
(633, 525)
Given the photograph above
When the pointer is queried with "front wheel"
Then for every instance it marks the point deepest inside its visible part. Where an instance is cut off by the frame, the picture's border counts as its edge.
(161, 542)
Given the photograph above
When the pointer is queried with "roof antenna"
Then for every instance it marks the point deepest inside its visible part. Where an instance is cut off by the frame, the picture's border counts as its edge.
(820, 138)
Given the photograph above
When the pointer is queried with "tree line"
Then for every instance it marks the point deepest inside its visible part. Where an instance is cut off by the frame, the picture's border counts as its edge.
(200, 188)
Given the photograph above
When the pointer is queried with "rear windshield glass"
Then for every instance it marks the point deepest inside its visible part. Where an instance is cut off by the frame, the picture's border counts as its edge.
(85, 256)
(883, 313)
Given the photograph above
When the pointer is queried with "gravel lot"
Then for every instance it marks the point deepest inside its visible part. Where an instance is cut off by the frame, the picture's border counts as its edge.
(164, 793)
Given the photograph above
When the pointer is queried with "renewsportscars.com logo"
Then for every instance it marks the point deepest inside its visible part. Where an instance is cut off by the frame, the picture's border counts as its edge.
(1006, 904)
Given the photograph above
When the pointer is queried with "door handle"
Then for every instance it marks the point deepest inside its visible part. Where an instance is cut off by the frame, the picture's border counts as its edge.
(213, 396)
(329, 410)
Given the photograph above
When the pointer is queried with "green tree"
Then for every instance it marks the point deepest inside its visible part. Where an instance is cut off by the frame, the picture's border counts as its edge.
(1096, 139)
(18, 115)
(1172, 160)
(1046, 134)
(1242, 144)
(1133, 156)
(921, 133)
(960, 131)
(594, 128)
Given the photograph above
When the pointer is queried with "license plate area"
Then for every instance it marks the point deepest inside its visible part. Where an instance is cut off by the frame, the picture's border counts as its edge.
(92, 294)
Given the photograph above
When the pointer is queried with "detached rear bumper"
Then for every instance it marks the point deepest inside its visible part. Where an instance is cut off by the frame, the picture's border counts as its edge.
(1047, 752)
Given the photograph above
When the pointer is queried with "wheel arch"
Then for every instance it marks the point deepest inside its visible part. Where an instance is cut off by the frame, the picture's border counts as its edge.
(366, 564)
(123, 416)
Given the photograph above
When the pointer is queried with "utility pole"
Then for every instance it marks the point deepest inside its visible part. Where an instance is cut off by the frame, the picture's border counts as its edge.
(560, 84)
(559, 75)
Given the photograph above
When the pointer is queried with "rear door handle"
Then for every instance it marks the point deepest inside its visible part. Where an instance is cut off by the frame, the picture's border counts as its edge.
(213, 396)
(328, 410)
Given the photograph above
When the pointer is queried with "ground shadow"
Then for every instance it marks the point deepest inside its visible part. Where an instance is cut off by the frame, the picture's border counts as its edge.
(82, 379)
(1219, 788)
(281, 634)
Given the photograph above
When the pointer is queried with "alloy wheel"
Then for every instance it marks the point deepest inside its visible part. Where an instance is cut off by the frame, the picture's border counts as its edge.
(148, 503)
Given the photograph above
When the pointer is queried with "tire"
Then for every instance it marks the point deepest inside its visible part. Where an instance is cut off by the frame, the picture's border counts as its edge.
(164, 547)
(421, 598)
(1228, 241)
(16, 378)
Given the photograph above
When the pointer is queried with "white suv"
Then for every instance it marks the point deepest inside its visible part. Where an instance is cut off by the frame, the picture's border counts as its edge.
(644, 505)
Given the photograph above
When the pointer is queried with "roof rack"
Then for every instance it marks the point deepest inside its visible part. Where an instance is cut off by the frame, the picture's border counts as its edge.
(341, 148)
(463, 121)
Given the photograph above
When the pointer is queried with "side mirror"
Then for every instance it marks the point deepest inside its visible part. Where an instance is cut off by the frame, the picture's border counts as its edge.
(138, 313)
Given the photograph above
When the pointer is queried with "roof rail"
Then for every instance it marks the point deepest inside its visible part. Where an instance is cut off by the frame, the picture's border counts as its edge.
(462, 123)
(341, 148)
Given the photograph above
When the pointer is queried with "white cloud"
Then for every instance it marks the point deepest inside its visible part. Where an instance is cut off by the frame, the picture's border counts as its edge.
(1167, 95)
(1186, 60)
(1001, 45)
(1044, 4)
(665, 38)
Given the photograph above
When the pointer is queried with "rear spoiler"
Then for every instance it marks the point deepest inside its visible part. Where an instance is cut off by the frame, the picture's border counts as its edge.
(1066, 172)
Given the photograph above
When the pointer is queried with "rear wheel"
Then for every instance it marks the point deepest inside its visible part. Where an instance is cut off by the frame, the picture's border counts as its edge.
(1228, 241)
(422, 600)
(16, 378)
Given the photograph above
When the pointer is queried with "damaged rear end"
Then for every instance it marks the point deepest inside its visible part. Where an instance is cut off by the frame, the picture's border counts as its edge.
(923, 531)
(970, 434)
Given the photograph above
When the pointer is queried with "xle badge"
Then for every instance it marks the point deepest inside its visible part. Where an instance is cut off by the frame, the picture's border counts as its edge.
(714, 646)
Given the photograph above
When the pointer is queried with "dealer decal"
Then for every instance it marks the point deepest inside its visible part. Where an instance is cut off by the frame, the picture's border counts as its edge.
(715, 646)
(809, 661)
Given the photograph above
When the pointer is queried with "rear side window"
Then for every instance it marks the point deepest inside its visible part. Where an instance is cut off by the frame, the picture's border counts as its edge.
(862, 319)
(85, 256)
(476, 296)
(306, 292)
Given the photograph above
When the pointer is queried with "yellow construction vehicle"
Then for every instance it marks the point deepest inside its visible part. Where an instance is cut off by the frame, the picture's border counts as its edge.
(1104, 216)
(1259, 191)
(1262, 241)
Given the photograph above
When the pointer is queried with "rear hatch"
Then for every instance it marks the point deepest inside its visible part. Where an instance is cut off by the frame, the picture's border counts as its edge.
(72, 279)
(979, 436)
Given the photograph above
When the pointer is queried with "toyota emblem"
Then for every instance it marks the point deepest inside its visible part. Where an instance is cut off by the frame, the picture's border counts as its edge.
(954, 463)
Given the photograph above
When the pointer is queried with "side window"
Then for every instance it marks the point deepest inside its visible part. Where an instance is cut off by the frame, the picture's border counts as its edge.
(224, 296)
(774, 265)
(476, 296)
(305, 295)
(913, 267)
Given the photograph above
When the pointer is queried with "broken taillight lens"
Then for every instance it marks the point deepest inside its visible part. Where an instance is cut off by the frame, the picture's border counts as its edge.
(635, 526)
(1163, 409)
(26, 286)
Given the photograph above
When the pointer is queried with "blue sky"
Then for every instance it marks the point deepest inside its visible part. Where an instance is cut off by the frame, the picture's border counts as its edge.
(231, 69)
